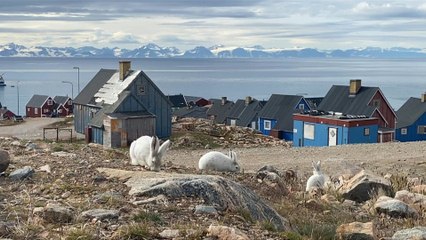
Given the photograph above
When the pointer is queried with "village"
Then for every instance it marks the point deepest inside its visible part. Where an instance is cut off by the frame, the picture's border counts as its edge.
(87, 188)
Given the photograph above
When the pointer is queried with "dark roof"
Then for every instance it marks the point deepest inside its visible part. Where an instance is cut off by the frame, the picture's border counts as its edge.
(195, 112)
(61, 99)
(178, 101)
(339, 100)
(245, 113)
(410, 112)
(0, 105)
(37, 100)
(281, 108)
(220, 111)
(86, 95)
(108, 109)
(314, 102)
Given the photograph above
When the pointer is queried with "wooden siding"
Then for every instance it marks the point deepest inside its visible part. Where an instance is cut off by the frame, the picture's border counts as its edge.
(139, 127)
(97, 135)
(385, 110)
(82, 116)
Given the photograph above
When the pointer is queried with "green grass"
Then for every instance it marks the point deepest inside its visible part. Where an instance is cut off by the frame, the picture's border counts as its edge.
(134, 231)
(81, 234)
(147, 217)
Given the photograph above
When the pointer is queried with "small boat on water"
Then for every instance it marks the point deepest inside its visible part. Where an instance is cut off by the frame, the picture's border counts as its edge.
(2, 84)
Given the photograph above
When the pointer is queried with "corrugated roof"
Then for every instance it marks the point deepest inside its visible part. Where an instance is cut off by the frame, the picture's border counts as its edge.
(245, 114)
(281, 108)
(37, 100)
(195, 112)
(86, 96)
(61, 99)
(219, 110)
(178, 101)
(339, 100)
(110, 91)
(410, 112)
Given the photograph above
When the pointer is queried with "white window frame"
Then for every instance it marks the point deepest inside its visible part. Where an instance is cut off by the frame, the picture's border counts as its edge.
(309, 131)
(421, 127)
(49, 102)
(367, 131)
(302, 106)
(233, 122)
(267, 124)
(35, 110)
(403, 131)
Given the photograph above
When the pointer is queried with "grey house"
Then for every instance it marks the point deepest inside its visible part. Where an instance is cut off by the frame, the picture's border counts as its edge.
(118, 106)
(219, 110)
(244, 113)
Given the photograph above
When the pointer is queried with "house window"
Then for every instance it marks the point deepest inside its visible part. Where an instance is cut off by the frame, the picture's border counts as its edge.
(69, 102)
(35, 110)
(309, 131)
(421, 129)
(301, 106)
(60, 111)
(267, 124)
(140, 89)
(45, 110)
(376, 103)
(50, 102)
(366, 131)
(403, 131)
(233, 122)
(28, 109)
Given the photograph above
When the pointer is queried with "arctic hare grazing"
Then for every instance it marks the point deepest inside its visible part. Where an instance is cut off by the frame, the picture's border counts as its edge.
(146, 151)
(218, 161)
(318, 179)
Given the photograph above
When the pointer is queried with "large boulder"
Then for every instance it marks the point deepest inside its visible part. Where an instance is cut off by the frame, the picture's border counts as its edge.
(394, 207)
(415, 233)
(216, 191)
(22, 173)
(4, 160)
(54, 213)
(365, 185)
(415, 200)
(356, 230)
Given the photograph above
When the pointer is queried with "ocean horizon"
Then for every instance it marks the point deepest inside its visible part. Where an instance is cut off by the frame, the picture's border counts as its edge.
(399, 79)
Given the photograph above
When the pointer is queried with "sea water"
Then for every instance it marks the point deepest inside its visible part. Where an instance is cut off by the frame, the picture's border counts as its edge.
(399, 79)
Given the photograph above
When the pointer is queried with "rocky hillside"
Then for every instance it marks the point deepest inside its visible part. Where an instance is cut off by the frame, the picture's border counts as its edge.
(77, 191)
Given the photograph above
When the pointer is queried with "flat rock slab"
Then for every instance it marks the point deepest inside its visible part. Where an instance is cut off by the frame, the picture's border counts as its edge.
(216, 191)
(415, 233)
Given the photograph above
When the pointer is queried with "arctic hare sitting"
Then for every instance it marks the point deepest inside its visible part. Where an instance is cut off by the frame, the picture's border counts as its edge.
(218, 161)
(318, 179)
(146, 151)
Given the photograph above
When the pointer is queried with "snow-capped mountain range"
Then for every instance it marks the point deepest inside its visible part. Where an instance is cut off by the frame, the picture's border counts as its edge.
(152, 50)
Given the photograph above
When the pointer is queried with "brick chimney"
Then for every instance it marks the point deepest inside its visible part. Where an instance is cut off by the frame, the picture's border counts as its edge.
(248, 100)
(224, 100)
(124, 69)
(354, 86)
(423, 98)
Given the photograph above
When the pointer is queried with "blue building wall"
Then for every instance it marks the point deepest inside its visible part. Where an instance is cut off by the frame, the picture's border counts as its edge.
(97, 135)
(345, 135)
(288, 136)
(262, 125)
(82, 116)
(412, 130)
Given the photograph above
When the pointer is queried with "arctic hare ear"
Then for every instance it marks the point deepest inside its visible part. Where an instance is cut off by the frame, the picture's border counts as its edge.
(163, 148)
(319, 165)
(154, 143)
(234, 156)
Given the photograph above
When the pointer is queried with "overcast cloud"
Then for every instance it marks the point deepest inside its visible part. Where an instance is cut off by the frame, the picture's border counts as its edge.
(322, 24)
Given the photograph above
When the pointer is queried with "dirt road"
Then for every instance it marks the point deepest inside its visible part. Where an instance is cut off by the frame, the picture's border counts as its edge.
(31, 128)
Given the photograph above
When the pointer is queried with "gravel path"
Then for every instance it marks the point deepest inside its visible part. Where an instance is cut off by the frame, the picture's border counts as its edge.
(397, 158)
(31, 128)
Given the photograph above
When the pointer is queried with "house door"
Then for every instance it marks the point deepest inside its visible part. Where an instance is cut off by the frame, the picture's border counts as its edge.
(332, 136)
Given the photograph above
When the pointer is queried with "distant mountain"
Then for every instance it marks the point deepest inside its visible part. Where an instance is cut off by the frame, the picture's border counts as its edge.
(152, 50)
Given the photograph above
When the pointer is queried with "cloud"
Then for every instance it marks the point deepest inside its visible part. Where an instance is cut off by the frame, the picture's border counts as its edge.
(389, 11)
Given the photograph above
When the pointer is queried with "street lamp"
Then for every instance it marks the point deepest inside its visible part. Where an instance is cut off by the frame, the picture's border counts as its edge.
(17, 90)
(78, 79)
(72, 88)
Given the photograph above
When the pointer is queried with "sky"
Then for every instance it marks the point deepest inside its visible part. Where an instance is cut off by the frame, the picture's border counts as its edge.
(185, 24)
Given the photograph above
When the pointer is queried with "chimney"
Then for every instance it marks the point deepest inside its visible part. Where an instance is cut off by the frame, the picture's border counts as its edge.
(248, 100)
(224, 100)
(124, 69)
(354, 86)
(423, 98)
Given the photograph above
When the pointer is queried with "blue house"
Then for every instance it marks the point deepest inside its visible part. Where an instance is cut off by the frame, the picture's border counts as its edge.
(244, 113)
(276, 117)
(411, 125)
(117, 107)
(318, 129)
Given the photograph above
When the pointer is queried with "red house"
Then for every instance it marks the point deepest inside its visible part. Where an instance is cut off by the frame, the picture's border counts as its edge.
(5, 113)
(40, 106)
(63, 106)
(360, 100)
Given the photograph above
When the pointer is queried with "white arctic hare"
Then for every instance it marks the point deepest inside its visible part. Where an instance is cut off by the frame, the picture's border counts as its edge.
(146, 151)
(218, 161)
(318, 179)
